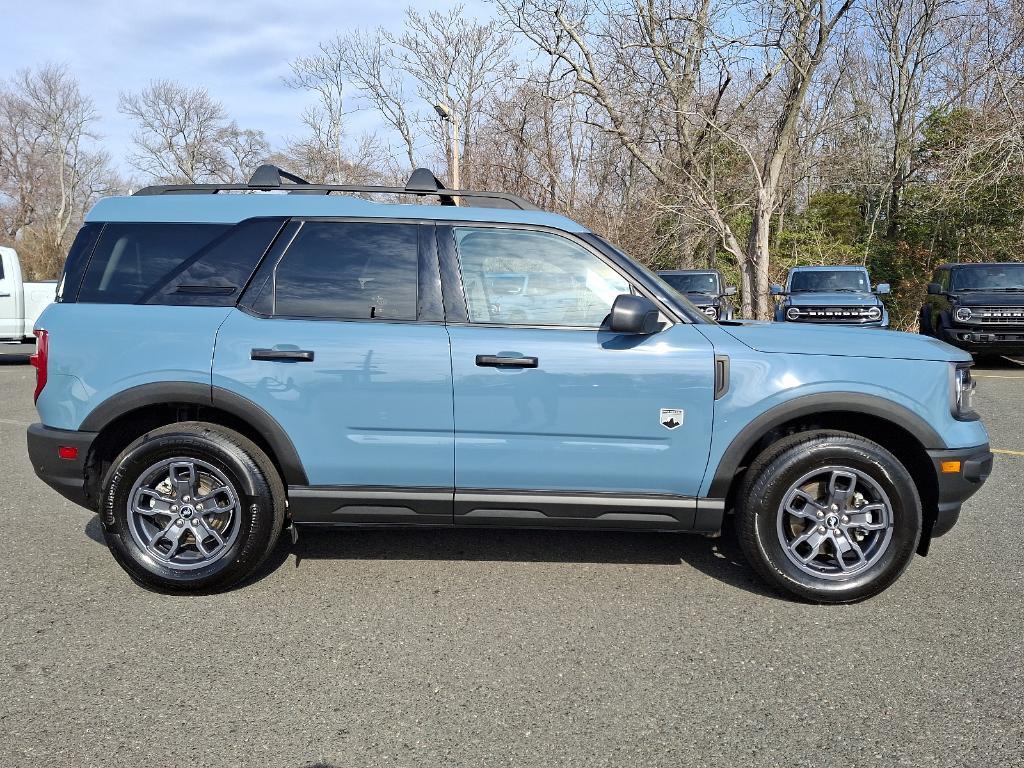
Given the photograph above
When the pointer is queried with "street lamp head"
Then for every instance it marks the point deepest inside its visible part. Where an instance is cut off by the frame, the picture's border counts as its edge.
(443, 111)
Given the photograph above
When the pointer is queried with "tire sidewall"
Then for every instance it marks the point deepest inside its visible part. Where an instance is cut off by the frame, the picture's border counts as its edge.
(254, 513)
(769, 490)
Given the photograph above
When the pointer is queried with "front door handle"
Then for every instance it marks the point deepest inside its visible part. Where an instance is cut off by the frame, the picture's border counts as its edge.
(496, 361)
(295, 355)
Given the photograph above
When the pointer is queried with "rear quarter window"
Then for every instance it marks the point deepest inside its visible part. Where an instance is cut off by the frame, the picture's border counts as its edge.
(77, 261)
(174, 263)
(130, 259)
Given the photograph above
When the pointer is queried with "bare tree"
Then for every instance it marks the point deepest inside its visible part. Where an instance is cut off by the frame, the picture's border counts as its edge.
(797, 36)
(50, 171)
(323, 75)
(183, 135)
(460, 63)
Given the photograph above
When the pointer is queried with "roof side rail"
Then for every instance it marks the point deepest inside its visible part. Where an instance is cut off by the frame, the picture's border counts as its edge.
(422, 183)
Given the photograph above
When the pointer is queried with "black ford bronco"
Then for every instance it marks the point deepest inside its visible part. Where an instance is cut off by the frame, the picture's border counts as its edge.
(977, 307)
(705, 288)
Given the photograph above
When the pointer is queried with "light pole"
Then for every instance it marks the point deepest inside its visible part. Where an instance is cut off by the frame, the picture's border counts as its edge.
(448, 116)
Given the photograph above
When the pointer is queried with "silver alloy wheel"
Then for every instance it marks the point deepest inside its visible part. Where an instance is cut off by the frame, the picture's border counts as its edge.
(835, 522)
(183, 513)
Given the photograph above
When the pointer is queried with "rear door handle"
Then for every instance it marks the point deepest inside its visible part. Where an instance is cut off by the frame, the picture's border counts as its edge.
(496, 361)
(295, 355)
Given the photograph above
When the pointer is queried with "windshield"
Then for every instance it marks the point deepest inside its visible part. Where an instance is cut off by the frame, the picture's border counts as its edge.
(693, 282)
(829, 280)
(992, 277)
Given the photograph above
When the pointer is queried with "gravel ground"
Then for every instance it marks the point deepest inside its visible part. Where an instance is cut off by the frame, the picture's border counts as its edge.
(486, 648)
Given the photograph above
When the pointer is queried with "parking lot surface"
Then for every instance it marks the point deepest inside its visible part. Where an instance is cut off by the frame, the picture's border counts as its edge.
(481, 648)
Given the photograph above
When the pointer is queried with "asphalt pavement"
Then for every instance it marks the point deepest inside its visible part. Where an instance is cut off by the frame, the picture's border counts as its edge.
(490, 648)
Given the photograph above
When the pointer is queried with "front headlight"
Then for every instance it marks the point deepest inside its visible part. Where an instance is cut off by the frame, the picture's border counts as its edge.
(963, 314)
(962, 395)
(792, 313)
(711, 312)
(875, 313)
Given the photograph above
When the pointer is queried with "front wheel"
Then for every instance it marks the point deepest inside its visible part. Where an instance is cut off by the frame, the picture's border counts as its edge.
(829, 516)
(191, 507)
(924, 323)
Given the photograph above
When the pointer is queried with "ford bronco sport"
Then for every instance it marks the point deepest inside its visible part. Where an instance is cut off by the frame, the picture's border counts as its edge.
(977, 307)
(837, 295)
(225, 362)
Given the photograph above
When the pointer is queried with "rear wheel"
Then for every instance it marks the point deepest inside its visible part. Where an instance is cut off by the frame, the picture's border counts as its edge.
(192, 507)
(829, 516)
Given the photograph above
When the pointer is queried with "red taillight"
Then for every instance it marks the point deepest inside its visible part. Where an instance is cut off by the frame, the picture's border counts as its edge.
(39, 361)
(68, 452)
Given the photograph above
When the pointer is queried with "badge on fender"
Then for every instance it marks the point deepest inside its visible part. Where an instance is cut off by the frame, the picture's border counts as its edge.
(671, 418)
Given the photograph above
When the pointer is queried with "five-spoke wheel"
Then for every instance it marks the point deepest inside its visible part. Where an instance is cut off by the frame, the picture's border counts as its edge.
(192, 506)
(183, 512)
(828, 516)
(835, 522)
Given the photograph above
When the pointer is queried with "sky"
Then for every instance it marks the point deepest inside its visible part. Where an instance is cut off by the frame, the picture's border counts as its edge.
(239, 50)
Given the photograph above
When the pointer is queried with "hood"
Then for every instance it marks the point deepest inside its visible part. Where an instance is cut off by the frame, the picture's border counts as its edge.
(990, 298)
(811, 339)
(832, 299)
(702, 299)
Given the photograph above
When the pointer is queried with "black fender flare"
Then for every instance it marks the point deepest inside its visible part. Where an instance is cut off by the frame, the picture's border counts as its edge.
(194, 393)
(807, 405)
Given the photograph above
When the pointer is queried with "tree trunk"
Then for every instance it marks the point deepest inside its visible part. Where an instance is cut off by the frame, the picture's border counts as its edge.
(758, 255)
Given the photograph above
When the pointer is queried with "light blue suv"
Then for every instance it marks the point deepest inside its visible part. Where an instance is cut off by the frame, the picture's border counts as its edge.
(835, 295)
(227, 362)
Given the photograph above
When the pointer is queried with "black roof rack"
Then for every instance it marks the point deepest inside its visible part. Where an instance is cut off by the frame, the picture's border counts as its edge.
(422, 183)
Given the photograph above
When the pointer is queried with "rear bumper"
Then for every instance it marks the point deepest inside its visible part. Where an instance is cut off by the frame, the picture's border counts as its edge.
(956, 487)
(66, 476)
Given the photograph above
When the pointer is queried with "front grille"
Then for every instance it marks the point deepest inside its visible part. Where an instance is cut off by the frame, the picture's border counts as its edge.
(853, 315)
(997, 315)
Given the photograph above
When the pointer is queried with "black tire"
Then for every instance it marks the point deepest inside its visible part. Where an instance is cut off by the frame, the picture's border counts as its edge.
(773, 473)
(924, 323)
(259, 516)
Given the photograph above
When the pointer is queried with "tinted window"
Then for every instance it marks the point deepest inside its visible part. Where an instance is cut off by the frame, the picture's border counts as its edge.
(349, 271)
(517, 277)
(829, 280)
(215, 275)
(131, 259)
(78, 259)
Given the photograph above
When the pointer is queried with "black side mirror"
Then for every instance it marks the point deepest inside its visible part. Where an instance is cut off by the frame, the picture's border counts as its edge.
(633, 314)
(934, 289)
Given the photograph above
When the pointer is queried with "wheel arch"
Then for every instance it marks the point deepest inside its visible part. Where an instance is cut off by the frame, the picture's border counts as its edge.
(130, 414)
(902, 432)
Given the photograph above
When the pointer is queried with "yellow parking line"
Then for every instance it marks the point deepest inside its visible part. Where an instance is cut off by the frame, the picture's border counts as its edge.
(1006, 452)
(994, 376)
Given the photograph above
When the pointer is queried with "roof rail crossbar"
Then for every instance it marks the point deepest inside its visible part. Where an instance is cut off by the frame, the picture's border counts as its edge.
(271, 176)
(422, 183)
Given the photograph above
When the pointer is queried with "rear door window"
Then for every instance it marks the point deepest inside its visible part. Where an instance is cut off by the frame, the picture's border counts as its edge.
(349, 271)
